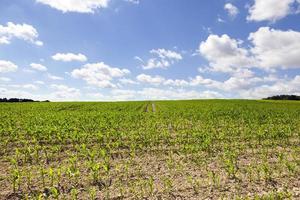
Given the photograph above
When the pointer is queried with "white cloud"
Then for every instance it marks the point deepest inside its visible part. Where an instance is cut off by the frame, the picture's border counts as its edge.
(38, 67)
(63, 92)
(127, 81)
(30, 86)
(55, 78)
(58, 93)
(139, 59)
(231, 9)
(156, 94)
(133, 1)
(40, 82)
(220, 20)
(99, 74)
(24, 32)
(279, 87)
(243, 79)
(200, 81)
(68, 57)
(270, 49)
(9, 93)
(161, 94)
(123, 94)
(154, 80)
(224, 53)
(97, 96)
(251, 86)
(270, 10)
(7, 66)
(23, 86)
(163, 59)
(5, 79)
(234, 84)
(159, 80)
(176, 83)
(243, 73)
(115, 95)
(81, 6)
(275, 48)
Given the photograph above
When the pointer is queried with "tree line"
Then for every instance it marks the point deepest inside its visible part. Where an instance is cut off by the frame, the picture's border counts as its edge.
(14, 100)
(283, 97)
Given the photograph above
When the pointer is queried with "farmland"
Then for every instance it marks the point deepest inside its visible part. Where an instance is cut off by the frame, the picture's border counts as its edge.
(208, 149)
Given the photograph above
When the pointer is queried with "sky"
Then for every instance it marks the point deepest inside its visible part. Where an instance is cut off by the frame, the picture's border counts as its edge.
(113, 50)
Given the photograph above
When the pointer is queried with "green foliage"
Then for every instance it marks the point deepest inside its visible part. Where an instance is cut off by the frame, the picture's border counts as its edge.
(203, 148)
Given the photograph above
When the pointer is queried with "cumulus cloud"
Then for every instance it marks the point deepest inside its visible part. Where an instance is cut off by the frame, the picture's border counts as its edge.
(231, 9)
(176, 82)
(80, 6)
(10, 93)
(201, 81)
(275, 48)
(99, 74)
(238, 83)
(7, 66)
(55, 78)
(242, 79)
(5, 79)
(38, 67)
(68, 57)
(133, 1)
(30, 87)
(225, 53)
(270, 49)
(63, 92)
(40, 82)
(163, 59)
(127, 81)
(159, 80)
(280, 86)
(24, 32)
(58, 92)
(250, 86)
(155, 80)
(270, 10)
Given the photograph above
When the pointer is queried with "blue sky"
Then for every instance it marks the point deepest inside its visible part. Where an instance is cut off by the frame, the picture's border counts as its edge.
(107, 50)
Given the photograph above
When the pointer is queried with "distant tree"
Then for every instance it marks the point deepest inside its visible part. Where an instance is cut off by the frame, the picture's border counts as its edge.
(3, 100)
(14, 100)
(284, 97)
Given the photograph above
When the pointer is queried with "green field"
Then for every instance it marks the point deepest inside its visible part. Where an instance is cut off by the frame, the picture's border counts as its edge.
(208, 149)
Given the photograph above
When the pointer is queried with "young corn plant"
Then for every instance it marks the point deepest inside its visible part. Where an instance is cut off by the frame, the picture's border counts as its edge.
(92, 193)
(215, 178)
(15, 179)
(74, 194)
(55, 193)
(267, 172)
(95, 171)
(195, 183)
(168, 184)
(151, 184)
(230, 163)
(29, 180)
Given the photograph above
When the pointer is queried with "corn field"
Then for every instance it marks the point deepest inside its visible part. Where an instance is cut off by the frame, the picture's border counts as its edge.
(202, 149)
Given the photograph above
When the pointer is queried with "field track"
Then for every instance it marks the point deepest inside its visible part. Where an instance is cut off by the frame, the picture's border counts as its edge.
(153, 107)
